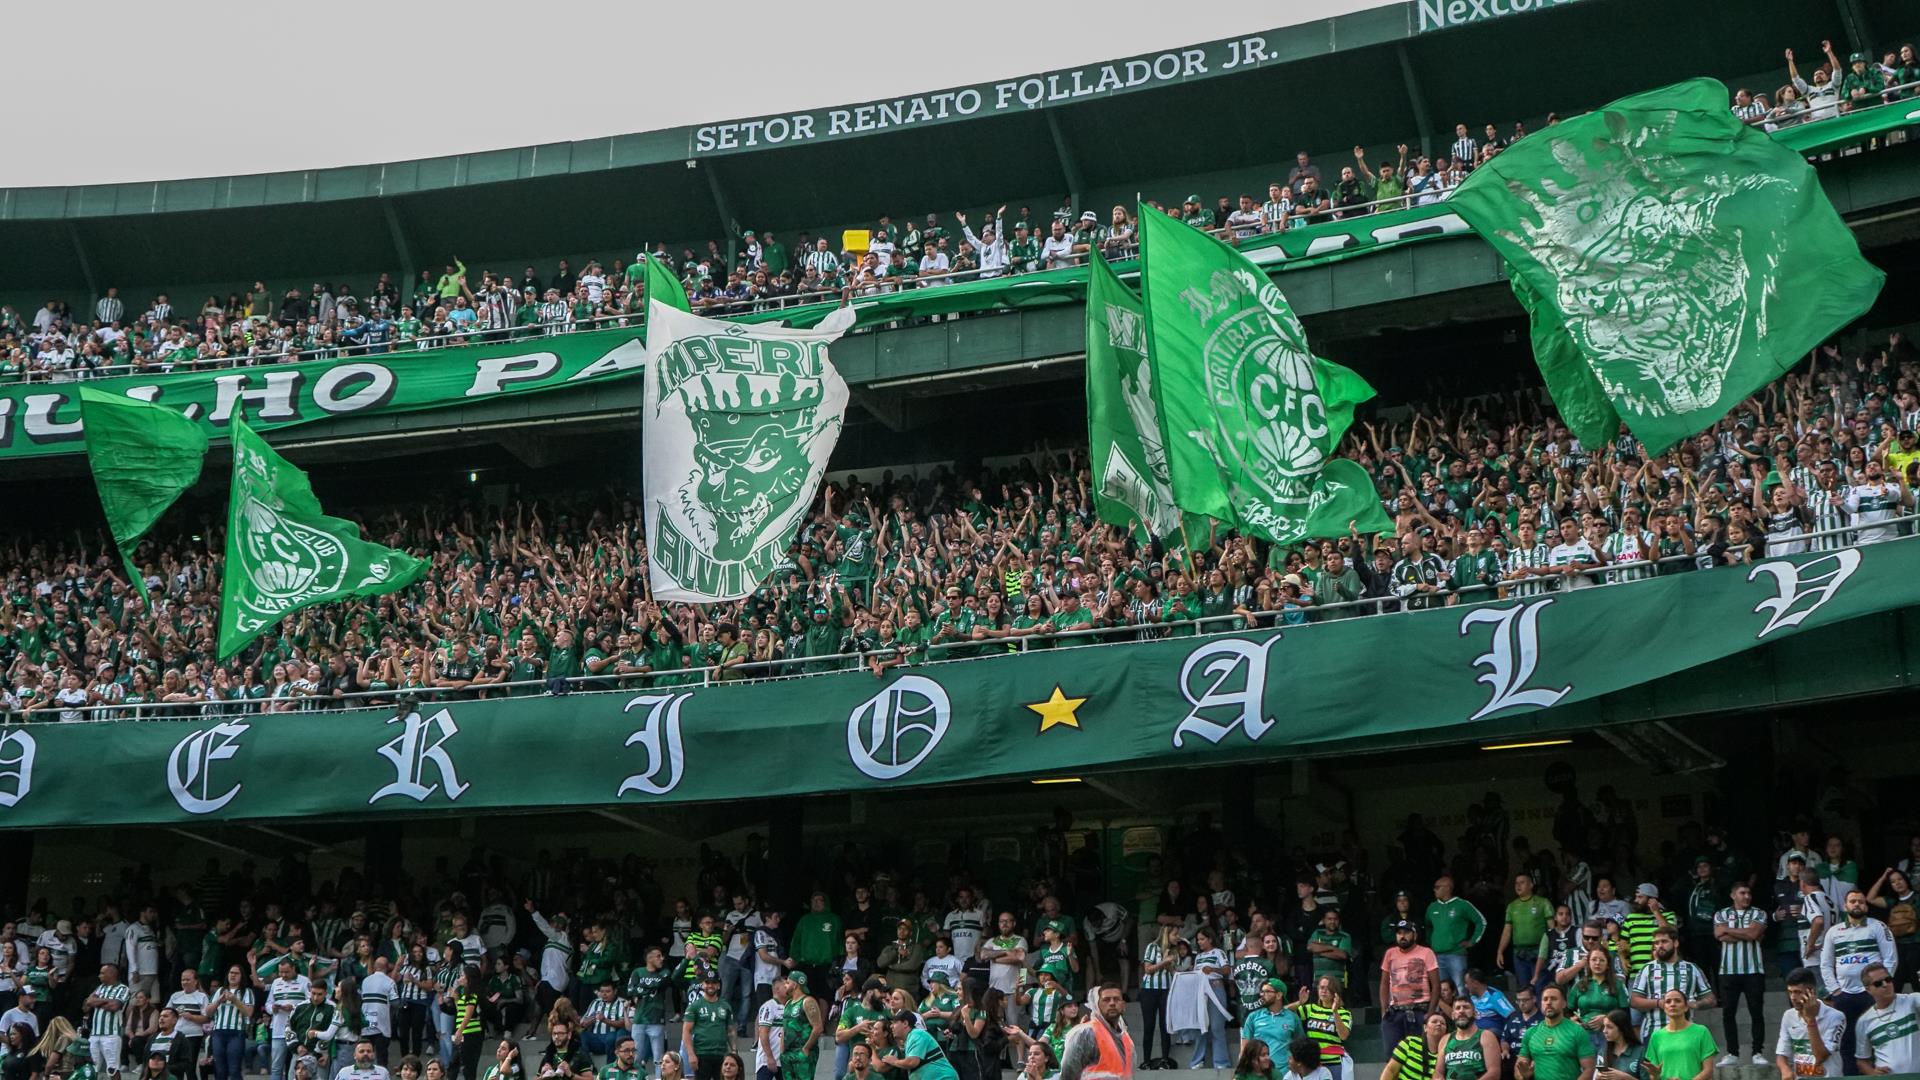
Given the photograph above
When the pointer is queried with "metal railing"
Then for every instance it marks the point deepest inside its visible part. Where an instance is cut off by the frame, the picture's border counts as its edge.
(1834, 108)
(755, 671)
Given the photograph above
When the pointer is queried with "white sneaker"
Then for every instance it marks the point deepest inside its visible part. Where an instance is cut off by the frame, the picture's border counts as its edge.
(1726, 1061)
(1760, 1059)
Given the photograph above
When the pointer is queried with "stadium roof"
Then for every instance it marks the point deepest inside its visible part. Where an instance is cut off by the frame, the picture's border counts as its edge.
(1404, 72)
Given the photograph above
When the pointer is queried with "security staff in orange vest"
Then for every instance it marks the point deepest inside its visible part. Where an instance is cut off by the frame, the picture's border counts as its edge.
(1100, 1048)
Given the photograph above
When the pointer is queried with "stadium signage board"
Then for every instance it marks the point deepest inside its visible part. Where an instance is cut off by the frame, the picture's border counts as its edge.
(1446, 14)
(1520, 664)
(1084, 83)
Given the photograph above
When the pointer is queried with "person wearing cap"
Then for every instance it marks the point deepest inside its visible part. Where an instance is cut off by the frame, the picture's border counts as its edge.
(802, 1022)
(1043, 1000)
(556, 958)
(1637, 929)
(916, 1052)
(1195, 213)
(1860, 87)
(706, 1032)
(1273, 1022)
(940, 1008)
(1409, 984)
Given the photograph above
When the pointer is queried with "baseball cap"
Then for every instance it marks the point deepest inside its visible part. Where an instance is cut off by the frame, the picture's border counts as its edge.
(1277, 985)
(1088, 215)
(1193, 198)
(799, 978)
(1648, 889)
(1402, 924)
(939, 977)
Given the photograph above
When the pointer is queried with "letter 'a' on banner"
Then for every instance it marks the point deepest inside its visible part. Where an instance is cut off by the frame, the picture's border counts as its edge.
(737, 427)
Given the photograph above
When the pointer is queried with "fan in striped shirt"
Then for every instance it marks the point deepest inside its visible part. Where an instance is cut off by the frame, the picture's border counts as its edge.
(1527, 564)
(1743, 967)
(1667, 972)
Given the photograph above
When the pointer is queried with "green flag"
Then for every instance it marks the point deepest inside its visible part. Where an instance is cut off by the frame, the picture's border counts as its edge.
(143, 457)
(1250, 416)
(1130, 485)
(1672, 259)
(284, 553)
(663, 285)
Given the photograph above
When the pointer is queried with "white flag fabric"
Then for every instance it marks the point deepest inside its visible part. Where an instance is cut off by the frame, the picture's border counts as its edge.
(739, 423)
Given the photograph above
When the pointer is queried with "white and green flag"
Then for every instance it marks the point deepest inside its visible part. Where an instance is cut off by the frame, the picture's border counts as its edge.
(738, 424)
(1130, 482)
(1251, 417)
(284, 553)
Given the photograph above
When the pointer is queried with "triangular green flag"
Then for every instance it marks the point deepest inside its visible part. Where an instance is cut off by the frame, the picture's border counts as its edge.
(1682, 258)
(143, 457)
(1250, 416)
(284, 553)
(1129, 464)
(663, 285)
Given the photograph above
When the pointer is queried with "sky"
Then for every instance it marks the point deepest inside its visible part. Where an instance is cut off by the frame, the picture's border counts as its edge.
(218, 87)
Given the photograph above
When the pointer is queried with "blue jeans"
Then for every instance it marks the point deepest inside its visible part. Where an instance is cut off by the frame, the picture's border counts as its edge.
(842, 1054)
(736, 989)
(1453, 968)
(1214, 1040)
(600, 1043)
(282, 1053)
(1525, 967)
(443, 1030)
(229, 1050)
(649, 1043)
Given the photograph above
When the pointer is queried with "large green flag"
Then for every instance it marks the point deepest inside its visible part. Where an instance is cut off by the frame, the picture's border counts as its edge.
(284, 553)
(143, 457)
(1130, 483)
(1672, 259)
(1250, 416)
(664, 285)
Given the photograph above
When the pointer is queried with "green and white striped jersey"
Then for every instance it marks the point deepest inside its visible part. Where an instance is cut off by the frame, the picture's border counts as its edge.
(1741, 957)
(1655, 979)
(103, 1021)
(1890, 1037)
(1155, 980)
(226, 1012)
(1527, 558)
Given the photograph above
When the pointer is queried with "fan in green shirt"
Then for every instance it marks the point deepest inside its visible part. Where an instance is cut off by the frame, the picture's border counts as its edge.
(1679, 1047)
(709, 1021)
(816, 935)
(1556, 1048)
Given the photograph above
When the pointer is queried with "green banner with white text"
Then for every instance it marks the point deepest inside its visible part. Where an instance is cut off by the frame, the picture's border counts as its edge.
(44, 418)
(1490, 669)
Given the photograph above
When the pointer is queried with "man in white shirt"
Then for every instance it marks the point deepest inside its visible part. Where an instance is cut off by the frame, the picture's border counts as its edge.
(1057, 251)
(1876, 500)
(287, 993)
(1812, 1033)
(966, 924)
(991, 243)
(1858, 943)
(365, 1064)
(21, 1013)
(190, 1002)
(1887, 1038)
(143, 954)
(556, 958)
(376, 1008)
(1005, 954)
(934, 267)
(59, 940)
(770, 961)
(768, 1030)
(1246, 221)
(1573, 554)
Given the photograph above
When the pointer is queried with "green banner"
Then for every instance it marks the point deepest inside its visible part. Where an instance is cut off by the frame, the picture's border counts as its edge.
(1494, 668)
(44, 418)
(1857, 126)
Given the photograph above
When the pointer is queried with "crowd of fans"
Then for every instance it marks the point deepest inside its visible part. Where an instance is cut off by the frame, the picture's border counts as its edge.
(759, 271)
(1219, 937)
(1490, 496)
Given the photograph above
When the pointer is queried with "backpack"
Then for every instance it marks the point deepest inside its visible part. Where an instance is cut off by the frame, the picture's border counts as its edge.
(1903, 919)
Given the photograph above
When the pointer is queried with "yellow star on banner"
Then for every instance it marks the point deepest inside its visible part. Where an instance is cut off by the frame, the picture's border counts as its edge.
(1058, 710)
